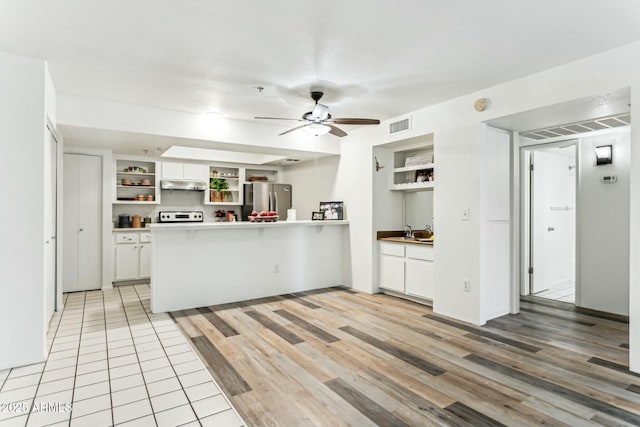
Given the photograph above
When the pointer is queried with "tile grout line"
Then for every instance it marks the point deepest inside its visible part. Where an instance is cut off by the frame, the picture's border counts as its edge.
(106, 339)
(75, 376)
(137, 357)
(44, 367)
(164, 350)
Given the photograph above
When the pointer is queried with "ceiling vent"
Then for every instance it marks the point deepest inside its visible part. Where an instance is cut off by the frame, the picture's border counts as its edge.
(400, 126)
(581, 127)
(291, 160)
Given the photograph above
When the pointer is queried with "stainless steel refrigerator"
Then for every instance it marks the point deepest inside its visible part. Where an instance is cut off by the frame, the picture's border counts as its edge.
(266, 196)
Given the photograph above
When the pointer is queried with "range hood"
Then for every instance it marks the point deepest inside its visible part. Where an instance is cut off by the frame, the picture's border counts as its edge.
(179, 184)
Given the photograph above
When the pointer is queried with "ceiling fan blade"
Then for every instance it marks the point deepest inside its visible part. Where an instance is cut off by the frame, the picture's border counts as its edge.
(355, 121)
(295, 128)
(336, 131)
(277, 118)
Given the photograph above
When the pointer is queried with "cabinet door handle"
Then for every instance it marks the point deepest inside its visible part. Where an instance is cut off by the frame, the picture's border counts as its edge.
(82, 229)
(134, 247)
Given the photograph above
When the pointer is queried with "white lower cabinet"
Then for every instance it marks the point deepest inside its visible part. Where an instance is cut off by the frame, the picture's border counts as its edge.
(132, 255)
(145, 260)
(392, 276)
(407, 268)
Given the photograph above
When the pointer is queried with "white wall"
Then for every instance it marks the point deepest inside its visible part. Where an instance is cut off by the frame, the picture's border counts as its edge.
(495, 225)
(418, 209)
(22, 106)
(312, 181)
(354, 186)
(457, 243)
(604, 226)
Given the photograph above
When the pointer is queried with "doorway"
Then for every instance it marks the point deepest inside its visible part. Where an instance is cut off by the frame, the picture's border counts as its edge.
(551, 218)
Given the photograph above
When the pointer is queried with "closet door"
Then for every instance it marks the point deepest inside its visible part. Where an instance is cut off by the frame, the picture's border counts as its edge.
(70, 223)
(89, 222)
(82, 222)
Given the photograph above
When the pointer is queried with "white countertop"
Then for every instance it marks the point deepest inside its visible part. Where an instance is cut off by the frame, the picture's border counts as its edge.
(241, 224)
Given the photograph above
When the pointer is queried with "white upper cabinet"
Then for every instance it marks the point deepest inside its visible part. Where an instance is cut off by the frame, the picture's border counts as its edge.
(196, 172)
(190, 171)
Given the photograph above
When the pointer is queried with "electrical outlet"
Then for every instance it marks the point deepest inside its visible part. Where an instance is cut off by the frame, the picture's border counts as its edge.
(465, 214)
(276, 268)
(466, 285)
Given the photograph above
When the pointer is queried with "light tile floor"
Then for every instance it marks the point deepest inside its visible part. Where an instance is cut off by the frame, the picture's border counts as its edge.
(113, 362)
(565, 292)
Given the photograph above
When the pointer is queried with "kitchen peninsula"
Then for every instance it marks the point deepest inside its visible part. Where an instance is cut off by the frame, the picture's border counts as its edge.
(196, 265)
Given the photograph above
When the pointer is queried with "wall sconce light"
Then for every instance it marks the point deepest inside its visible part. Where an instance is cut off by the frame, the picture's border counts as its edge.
(604, 155)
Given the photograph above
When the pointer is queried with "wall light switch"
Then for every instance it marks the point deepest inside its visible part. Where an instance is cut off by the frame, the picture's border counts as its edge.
(465, 214)
(466, 285)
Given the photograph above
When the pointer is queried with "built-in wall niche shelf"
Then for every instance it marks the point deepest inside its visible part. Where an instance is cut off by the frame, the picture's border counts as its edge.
(231, 196)
(413, 186)
(261, 175)
(134, 178)
(414, 169)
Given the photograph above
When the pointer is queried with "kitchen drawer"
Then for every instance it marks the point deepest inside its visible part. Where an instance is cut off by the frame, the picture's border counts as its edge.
(126, 237)
(395, 249)
(422, 252)
(145, 237)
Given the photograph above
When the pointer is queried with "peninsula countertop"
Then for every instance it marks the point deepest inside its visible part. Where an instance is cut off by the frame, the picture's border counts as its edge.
(241, 224)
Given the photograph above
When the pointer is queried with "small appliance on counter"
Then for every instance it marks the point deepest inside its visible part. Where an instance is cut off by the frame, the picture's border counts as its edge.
(180, 216)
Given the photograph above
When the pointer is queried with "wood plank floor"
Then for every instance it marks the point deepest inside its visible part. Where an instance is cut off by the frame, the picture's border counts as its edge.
(336, 357)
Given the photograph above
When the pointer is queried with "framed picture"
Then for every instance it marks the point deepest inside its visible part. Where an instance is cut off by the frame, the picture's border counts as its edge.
(332, 210)
(424, 175)
(317, 216)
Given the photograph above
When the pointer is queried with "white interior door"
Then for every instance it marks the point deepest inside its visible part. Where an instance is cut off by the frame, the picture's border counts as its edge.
(552, 218)
(82, 222)
(90, 221)
(50, 232)
(70, 223)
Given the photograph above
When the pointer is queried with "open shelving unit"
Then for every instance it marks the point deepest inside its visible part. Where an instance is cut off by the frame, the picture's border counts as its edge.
(413, 177)
(233, 195)
(135, 170)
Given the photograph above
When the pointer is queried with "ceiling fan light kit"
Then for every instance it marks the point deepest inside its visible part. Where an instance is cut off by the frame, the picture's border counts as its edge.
(317, 129)
(319, 121)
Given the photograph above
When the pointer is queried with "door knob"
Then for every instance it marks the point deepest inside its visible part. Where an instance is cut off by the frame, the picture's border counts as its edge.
(82, 229)
(551, 229)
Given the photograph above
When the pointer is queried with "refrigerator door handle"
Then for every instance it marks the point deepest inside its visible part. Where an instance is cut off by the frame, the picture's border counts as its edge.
(275, 200)
(270, 201)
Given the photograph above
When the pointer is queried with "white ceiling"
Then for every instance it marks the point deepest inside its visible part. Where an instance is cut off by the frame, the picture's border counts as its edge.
(375, 59)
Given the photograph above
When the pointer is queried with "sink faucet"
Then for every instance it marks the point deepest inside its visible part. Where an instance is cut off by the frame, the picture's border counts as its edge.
(428, 229)
(408, 231)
